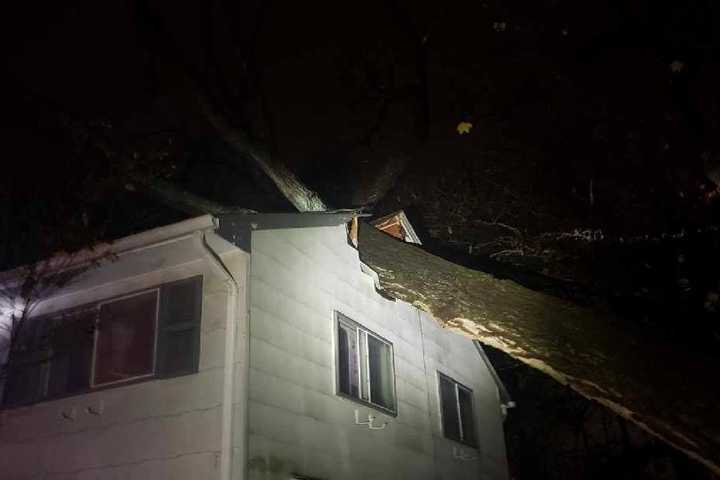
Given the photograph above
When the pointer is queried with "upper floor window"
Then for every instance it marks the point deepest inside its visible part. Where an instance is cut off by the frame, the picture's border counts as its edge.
(125, 341)
(155, 332)
(364, 365)
(456, 407)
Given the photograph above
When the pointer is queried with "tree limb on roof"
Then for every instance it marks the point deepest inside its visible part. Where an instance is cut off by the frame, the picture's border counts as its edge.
(666, 388)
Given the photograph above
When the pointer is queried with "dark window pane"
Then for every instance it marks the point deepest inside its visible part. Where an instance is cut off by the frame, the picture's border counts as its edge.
(364, 382)
(28, 364)
(24, 385)
(179, 345)
(71, 344)
(343, 373)
(466, 415)
(179, 332)
(347, 361)
(184, 304)
(381, 377)
(126, 338)
(448, 407)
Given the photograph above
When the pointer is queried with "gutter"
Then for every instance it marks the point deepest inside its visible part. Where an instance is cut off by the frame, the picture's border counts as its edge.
(506, 402)
(123, 246)
(231, 333)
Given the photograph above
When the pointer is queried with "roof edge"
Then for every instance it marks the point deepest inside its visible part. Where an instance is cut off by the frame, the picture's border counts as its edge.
(65, 261)
(237, 228)
(506, 401)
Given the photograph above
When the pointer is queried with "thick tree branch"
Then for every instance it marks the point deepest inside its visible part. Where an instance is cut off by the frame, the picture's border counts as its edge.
(656, 382)
(302, 198)
(159, 39)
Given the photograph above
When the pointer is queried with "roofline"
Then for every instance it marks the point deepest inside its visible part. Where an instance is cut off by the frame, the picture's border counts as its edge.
(505, 399)
(65, 261)
(164, 233)
(228, 225)
(409, 230)
(237, 228)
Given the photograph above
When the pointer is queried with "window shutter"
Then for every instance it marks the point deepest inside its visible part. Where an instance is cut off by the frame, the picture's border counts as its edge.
(28, 364)
(178, 350)
(466, 415)
(71, 343)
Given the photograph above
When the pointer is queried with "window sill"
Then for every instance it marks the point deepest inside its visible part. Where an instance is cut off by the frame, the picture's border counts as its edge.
(379, 408)
(463, 444)
(89, 391)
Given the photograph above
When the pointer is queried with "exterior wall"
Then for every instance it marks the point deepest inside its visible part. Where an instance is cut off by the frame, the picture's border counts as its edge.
(297, 424)
(159, 429)
(458, 358)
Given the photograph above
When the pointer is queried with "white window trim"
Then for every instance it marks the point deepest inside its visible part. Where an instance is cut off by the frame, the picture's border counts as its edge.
(97, 334)
(456, 386)
(93, 307)
(339, 317)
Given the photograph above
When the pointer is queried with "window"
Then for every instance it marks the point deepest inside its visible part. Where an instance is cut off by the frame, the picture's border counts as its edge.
(364, 365)
(125, 340)
(456, 407)
(154, 333)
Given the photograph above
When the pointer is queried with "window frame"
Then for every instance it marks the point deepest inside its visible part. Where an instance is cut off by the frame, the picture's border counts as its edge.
(93, 364)
(94, 306)
(456, 386)
(338, 318)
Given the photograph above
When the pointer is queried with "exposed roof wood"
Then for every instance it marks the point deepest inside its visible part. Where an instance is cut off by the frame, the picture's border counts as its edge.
(397, 225)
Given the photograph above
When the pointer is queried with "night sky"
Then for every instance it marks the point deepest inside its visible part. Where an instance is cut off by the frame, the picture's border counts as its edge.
(595, 117)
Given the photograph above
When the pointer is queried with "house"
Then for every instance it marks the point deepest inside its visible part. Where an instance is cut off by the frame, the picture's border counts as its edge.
(245, 346)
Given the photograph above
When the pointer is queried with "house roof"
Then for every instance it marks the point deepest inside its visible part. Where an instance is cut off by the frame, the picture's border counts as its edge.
(68, 261)
(237, 227)
(505, 399)
(234, 227)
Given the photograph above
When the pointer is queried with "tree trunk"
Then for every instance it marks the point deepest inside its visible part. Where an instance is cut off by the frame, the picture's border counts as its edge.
(301, 197)
(659, 384)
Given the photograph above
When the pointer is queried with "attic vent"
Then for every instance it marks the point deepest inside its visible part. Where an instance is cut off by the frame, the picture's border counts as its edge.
(397, 225)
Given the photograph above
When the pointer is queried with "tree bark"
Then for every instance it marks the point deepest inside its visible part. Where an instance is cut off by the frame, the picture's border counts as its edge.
(666, 388)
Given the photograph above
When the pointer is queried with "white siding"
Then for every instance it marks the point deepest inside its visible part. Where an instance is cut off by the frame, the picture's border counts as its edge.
(299, 277)
(159, 429)
(171, 429)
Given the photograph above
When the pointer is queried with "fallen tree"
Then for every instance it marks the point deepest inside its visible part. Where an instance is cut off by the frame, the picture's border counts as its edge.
(666, 388)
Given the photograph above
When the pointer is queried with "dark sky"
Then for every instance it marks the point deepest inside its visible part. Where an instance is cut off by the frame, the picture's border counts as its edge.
(576, 109)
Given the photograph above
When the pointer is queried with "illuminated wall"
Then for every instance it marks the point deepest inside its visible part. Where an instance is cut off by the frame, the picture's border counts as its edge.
(298, 425)
(159, 428)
